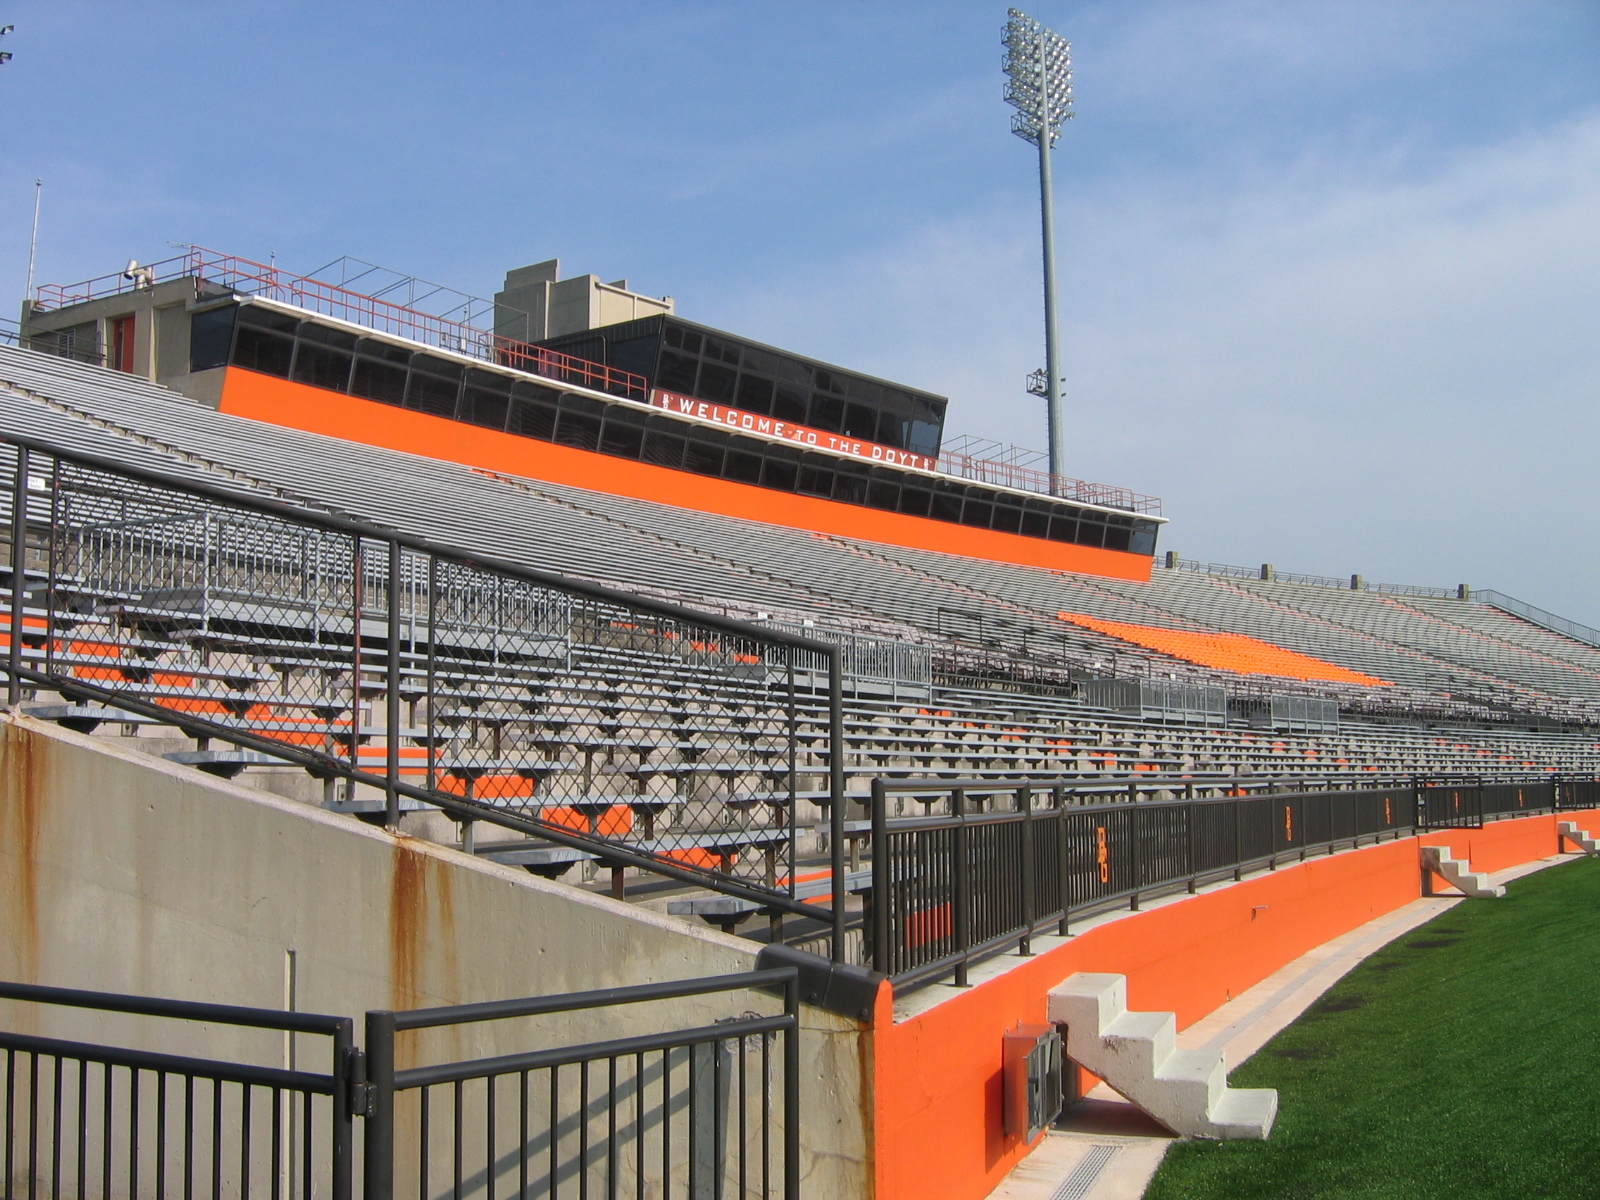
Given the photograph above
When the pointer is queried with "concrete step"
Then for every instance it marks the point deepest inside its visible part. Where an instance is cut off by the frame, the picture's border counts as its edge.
(1459, 872)
(1570, 831)
(1136, 1053)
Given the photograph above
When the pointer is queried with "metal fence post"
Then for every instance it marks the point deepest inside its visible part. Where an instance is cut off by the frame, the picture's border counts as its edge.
(882, 899)
(1063, 870)
(391, 766)
(1025, 804)
(348, 1078)
(836, 796)
(791, 1092)
(378, 1143)
(19, 569)
(963, 903)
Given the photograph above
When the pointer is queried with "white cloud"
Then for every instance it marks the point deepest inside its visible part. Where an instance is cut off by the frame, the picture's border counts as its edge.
(1335, 368)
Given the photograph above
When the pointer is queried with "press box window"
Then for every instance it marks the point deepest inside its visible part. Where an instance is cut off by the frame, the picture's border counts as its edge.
(211, 337)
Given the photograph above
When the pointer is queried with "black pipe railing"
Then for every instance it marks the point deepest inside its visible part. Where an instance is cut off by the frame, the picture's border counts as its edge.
(951, 890)
(401, 673)
(706, 1110)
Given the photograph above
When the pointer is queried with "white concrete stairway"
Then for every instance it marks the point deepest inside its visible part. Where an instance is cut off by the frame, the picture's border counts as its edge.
(1459, 872)
(1137, 1054)
(1580, 839)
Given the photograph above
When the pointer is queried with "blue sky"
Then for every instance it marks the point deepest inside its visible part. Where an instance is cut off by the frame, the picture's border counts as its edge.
(1331, 271)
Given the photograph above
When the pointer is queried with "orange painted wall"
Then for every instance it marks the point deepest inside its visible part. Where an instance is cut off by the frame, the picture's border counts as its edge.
(315, 410)
(938, 1125)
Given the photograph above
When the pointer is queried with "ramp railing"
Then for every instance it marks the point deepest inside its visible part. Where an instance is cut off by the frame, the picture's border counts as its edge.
(579, 724)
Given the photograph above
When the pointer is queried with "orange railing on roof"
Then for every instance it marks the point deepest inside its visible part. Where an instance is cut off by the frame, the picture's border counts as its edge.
(271, 282)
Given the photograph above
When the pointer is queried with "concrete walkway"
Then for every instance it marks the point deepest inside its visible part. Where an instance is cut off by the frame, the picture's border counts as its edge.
(1105, 1149)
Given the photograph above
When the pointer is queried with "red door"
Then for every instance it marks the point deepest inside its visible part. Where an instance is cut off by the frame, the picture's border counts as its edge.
(122, 344)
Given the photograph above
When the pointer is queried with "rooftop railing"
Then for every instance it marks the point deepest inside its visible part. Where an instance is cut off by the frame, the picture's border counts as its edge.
(443, 330)
(986, 461)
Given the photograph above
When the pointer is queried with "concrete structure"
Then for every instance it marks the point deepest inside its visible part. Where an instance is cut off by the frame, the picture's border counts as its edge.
(537, 303)
(1137, 1054)
(121, 872)
(1459, 873)
(1570, 832)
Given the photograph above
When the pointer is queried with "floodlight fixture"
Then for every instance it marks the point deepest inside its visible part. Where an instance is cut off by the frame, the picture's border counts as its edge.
(1038, 69)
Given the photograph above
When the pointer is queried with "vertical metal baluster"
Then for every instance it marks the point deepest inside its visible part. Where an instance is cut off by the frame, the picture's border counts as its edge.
(638, 1125)
(391, 707)
(216, 1139)
(1025, 806)
(55, 1132)
(357, 583)
(455, 1182)
(611, 1133)
(33, 1128)
(666, 1115)
(489, 1083)
(244, 1141)
(83, 1128)
(277, 1143)
(306, 1156)
(433, 638)
(423, 1144)
(744, 1106)
(766, 1115)
(107, 1143)
(961, 923)
(19, 570)
(522, 1149)
(161, 1135)
(583, 1130)
(188, 1139)
(555, 1129)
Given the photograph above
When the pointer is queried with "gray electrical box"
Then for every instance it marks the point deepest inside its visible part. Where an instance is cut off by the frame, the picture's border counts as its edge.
(1032, 1079)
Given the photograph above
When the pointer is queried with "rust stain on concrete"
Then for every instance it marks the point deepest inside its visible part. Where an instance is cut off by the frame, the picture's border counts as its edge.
(21, 827)
(408, 920)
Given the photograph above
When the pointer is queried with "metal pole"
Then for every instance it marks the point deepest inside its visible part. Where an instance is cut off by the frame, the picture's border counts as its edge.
(348, 1073)
(33, 246)
(881, 899)
(962, 926)
(1052, 360)
(1025, 805)
(391, 764)
(378, 1164)
(836, 795)
(791, 1089)
(19, 570)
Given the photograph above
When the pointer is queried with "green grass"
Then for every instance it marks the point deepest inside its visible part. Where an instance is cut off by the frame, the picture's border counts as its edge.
(1463, 1059)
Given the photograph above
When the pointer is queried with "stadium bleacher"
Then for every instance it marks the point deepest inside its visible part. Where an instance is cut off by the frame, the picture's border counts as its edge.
(1463, 688)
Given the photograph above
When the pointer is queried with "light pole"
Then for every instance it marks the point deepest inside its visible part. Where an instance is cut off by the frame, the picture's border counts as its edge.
(1038, 67)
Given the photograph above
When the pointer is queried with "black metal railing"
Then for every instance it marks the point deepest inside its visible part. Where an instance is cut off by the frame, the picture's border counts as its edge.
(99, 1120)
(950, 890)
(708, 1111)
(570, 717)
(697, 1111)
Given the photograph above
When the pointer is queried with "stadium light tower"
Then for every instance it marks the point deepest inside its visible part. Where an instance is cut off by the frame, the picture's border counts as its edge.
(1038, 67)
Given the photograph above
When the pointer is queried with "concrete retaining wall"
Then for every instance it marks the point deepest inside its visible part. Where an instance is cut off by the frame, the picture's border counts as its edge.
(123, 873)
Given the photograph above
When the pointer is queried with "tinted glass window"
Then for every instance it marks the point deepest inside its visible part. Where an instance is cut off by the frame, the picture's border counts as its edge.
(717, 383)
(635, 354)
(677, 373)
(755, 394)
(1118, 537)
(1035, 524)
(915, 501)
(883, 495)
(383, 351)
(1090, 533)
(1063, 529)
(827, 412)
(663, 448)
(578, 429)
(780, 474)
(266, 318)
(532, 417)
(210, 338)
(621, 439)
(789, 404)
(815, 481)
(852, 489)
(1006, 518)
(945, 507)
(746, 468)
(380, 381)
(336, 338)
(430, 393)
(483, 407)
(860, 422)
(703, 458)
(891, 430)
(322, 366)
(257, 350)
(977, 513)
(1144, 538)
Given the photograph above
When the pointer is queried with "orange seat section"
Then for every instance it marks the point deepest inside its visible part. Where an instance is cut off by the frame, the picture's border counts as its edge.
(1226, 651)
